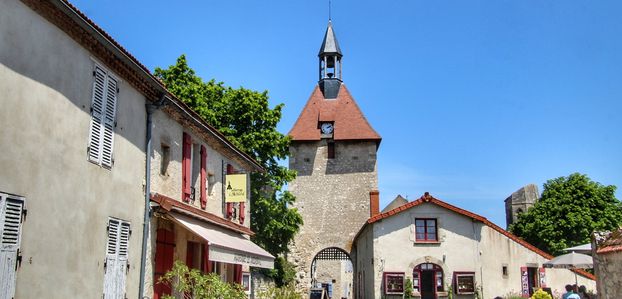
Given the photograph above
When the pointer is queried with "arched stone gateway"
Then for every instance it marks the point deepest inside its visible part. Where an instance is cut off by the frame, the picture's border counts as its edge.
(331, 269)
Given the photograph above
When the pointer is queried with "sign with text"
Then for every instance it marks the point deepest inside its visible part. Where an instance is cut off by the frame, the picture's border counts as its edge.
(226, 255)
(235, 190)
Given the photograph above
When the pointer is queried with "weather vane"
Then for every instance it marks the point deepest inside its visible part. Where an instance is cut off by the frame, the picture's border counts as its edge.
(329, 10)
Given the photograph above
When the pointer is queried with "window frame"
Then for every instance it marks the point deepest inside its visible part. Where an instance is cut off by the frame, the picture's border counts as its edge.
(386, 276)
(426, 233)
(246, 276)
(460, 274)
(429, 266)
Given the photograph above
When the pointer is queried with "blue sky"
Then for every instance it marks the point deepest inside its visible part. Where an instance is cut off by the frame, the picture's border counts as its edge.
(473, 99)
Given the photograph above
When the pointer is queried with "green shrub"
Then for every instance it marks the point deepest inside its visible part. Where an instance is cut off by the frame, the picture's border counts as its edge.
(408, 288)
(200, 286)
(285, 292)
(540, 294)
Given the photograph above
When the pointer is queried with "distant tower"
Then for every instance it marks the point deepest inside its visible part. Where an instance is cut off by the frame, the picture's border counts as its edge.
(333, 150)
(519, 202)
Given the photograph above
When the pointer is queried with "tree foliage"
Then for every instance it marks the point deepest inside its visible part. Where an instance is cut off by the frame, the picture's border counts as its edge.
(245, 118)
(570, 209)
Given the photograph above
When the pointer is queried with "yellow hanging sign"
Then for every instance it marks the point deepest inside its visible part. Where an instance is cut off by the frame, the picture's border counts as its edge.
(235, 190)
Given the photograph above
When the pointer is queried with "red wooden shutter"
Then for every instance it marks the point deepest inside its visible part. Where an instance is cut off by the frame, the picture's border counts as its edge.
(242, 212)
(229, 205)
(165, 247)
(203, 177)
(237, 274)
(186, 176)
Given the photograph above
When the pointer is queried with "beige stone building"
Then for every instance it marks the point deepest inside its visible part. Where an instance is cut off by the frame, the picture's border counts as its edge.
(607, 254)
(333, 150)
(446, 250)
(94, 150)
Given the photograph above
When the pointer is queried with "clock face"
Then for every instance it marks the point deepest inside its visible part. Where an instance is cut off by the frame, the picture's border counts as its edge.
(327, 128)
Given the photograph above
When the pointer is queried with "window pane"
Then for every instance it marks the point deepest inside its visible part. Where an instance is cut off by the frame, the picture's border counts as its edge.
(420, 222)
(432, 236)
(420, 236)
(431, 223)
(466, 284)
(420, 229)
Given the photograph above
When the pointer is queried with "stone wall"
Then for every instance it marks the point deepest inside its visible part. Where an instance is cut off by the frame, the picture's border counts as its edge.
(259, 284)
(607, 267)
(519, 202)
(332, 196)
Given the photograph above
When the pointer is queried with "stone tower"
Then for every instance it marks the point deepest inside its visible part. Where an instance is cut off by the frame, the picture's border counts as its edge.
(333, 150)
(521, 200)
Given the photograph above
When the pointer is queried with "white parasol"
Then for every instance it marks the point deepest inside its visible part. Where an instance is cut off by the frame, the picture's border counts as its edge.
(571, 261)
(585, 248)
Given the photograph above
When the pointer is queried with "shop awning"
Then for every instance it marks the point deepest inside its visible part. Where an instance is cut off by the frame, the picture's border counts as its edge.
(226, 246)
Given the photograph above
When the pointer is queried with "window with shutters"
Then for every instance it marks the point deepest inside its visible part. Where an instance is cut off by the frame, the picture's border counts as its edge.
(11, 216)
(116, 264)
(103, 114)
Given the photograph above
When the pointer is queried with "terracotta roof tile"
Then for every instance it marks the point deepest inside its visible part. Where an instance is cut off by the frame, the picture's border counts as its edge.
(426, 198)
(613, 243)
(349, 121)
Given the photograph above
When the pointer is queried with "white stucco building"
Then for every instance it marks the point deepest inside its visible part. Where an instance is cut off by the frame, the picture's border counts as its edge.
(441, 249)
(93, 148)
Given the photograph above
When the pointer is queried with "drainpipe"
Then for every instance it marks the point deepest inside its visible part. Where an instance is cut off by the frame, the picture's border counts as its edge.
(150, 108)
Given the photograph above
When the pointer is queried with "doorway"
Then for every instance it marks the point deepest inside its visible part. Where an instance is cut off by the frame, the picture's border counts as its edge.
(428, 280)
(532, 279)
(331, 269)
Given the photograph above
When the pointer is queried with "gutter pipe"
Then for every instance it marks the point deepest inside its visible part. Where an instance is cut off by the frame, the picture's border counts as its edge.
(150, 108)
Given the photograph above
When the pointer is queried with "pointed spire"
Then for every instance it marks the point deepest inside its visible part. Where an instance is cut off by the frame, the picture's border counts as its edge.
(330, 44)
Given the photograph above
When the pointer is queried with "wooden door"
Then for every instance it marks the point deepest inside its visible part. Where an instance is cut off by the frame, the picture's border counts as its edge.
(165, 249)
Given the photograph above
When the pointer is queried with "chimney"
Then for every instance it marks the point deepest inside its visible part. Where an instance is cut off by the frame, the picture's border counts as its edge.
(374, 203)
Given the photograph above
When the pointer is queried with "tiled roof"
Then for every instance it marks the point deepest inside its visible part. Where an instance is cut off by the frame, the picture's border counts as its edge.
(427, 198)
(349, 121)
(169, 204)
(613, 243)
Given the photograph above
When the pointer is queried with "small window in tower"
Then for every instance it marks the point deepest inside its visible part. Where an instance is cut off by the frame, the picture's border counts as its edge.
(331, 150)
(504, 271)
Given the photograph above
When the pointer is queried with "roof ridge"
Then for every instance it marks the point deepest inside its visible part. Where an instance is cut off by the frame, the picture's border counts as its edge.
(427, 198)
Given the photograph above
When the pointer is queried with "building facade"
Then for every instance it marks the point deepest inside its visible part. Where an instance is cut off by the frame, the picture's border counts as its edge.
(607, 254)
(94, 150)
(333, 150)
(446, 250)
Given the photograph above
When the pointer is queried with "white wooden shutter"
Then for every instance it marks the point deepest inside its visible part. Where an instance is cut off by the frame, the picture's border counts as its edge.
(116, 259)
(10, 234)
(108, 120)
(97, 110)
(103, 112)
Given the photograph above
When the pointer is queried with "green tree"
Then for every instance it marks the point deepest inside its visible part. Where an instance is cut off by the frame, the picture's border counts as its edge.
(570, 209)
(245, 118)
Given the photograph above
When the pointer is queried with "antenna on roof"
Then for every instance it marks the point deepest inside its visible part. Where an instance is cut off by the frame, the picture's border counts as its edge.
(329, 10)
